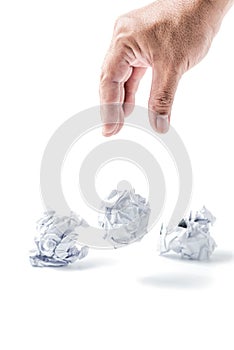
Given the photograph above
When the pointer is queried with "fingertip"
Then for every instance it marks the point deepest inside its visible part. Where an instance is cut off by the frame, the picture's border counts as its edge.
(159, 122)
(128, 108)
(111, 129)
(107, 130)
(162, 123)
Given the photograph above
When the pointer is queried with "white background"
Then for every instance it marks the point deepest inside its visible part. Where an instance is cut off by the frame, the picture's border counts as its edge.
(50, 58)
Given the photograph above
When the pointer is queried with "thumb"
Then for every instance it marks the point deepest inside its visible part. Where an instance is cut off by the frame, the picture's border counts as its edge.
(163, 88)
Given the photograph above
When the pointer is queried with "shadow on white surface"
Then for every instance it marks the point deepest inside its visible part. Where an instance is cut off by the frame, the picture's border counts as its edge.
(188, 280)
(88, 263)
(177, 281)
(219, 257)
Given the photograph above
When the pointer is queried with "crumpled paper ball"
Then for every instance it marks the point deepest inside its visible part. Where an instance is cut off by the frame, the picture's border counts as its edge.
(56, 240)
(191, 238)
(125, 218)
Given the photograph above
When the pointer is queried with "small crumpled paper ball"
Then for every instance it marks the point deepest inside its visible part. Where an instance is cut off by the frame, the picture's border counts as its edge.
(125, 218)
(56, 240)
(191, 238)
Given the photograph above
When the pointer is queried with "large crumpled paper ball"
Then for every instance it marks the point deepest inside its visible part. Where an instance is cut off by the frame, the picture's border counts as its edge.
(57, 239)
(191, 238)
(125, 218)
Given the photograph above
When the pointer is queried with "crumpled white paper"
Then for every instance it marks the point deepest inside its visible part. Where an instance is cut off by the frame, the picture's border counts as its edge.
(125, 218)
(191, 238)
(56, 240)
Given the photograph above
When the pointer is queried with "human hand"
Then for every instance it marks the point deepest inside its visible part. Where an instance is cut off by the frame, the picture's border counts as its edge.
(170, 36)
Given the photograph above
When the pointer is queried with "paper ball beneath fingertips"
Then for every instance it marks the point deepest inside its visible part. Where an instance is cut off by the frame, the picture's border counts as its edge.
(125, 216)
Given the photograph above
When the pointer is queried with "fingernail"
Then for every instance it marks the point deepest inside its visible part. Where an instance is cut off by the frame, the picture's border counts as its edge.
(162, 123)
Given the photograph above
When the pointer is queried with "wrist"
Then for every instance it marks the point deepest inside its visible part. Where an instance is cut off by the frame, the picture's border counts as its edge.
(221, 7)
(213, 11)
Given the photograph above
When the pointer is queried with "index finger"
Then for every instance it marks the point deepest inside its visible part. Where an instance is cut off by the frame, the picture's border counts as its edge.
(115, 72)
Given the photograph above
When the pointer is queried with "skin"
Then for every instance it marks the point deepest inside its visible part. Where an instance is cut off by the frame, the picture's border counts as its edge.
(171, 36)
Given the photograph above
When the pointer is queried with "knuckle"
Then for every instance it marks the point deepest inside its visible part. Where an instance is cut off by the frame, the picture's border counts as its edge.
(104, 78)
(120, 24)
(124, 38)
(123, 29)
(161, 102)
(119, 42)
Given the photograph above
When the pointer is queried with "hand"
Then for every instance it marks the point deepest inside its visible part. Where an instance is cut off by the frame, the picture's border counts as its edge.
(170, 36)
